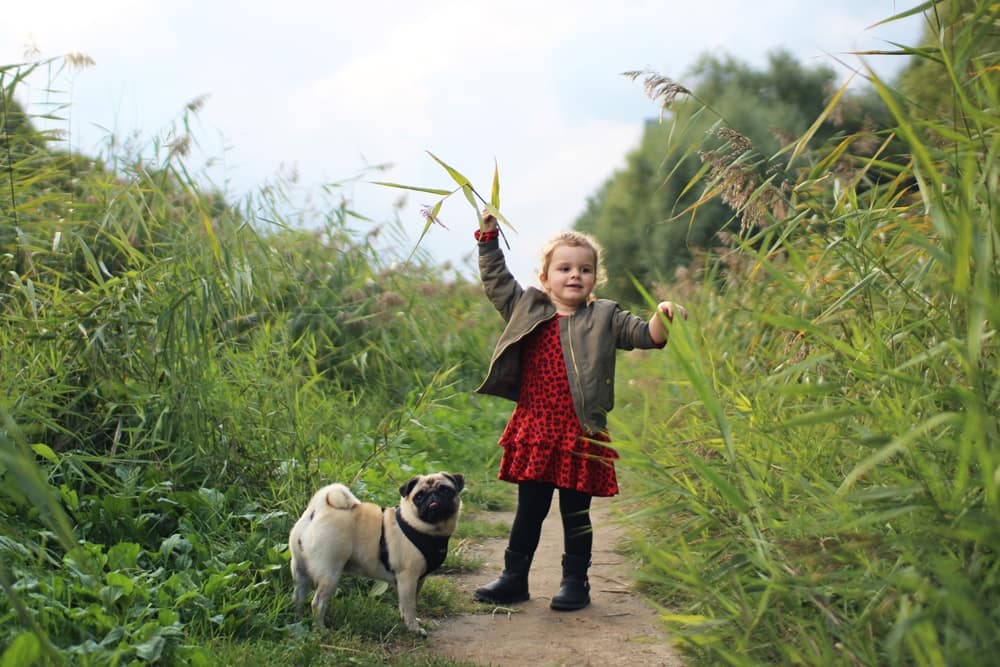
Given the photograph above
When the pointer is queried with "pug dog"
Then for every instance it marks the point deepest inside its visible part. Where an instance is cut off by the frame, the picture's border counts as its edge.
(338, 533)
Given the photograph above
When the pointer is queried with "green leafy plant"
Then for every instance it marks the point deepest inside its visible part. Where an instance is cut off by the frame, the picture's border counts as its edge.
(186, 371)
(431, 213)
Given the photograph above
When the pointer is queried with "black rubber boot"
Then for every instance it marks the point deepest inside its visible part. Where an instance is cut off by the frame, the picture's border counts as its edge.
(512, 586)
(574, 590)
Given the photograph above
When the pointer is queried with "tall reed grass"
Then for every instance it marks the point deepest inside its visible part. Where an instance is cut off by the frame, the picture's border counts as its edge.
(179, 373)
(825, 490)
(818, 471)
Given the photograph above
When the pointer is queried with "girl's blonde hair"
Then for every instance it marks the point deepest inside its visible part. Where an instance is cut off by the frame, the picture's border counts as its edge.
(576, 240)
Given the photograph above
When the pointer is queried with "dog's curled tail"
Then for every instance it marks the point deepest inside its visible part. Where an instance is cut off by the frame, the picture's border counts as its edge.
(339, 497)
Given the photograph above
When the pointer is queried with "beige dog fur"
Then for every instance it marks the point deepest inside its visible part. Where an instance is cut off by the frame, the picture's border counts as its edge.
(338, 533)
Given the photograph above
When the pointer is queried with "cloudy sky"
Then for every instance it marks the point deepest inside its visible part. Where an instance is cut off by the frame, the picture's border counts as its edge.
(326, 88)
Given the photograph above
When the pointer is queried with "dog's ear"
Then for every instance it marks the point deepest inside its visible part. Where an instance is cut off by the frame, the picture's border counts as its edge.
(457, 479)
(404, 491)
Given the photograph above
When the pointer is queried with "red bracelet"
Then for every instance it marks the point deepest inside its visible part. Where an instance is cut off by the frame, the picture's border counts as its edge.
(482, 236)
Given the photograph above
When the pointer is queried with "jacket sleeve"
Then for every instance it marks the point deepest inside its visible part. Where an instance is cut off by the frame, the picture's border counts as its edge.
(498, 282)
(631, 331)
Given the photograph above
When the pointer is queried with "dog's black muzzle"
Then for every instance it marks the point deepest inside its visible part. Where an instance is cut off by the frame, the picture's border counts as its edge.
(436, 504)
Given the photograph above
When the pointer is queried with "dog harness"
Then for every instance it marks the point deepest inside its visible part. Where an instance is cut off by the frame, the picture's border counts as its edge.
(433, 547)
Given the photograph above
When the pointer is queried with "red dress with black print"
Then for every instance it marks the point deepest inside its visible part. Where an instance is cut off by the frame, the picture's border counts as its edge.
(543, 441)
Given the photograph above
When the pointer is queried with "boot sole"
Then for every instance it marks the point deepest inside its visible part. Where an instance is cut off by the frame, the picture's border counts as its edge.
(568, 607)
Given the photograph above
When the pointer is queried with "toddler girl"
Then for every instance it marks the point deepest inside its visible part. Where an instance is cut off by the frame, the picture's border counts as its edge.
(556, 359)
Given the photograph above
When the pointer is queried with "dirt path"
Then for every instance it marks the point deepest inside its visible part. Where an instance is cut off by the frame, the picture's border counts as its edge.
(618, 627)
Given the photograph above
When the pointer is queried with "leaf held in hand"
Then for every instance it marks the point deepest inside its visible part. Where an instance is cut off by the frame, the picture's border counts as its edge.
(456, 176)
(495, 190)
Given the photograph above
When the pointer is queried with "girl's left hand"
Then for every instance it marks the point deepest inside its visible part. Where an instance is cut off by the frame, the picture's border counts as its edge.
(669, 308)
(489, 221)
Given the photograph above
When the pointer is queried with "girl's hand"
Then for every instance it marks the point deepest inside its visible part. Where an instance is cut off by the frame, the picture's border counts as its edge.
(489, 222)
(657, 329)
(669, 309)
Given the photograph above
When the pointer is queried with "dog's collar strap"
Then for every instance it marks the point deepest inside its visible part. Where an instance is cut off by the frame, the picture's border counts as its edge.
(433, 547)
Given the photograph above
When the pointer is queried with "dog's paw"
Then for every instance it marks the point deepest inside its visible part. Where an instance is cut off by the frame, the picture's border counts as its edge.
(415, 627)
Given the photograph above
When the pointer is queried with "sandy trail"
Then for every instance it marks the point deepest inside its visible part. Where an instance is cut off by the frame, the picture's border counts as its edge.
(619, 626)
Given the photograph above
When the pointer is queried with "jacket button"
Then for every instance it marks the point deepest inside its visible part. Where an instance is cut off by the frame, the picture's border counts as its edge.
(607, 380)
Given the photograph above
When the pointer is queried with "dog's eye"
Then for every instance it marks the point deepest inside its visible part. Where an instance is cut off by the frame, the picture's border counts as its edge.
(420, 496)
(446, 491)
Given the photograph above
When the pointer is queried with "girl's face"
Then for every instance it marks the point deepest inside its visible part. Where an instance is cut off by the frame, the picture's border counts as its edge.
(570, 278)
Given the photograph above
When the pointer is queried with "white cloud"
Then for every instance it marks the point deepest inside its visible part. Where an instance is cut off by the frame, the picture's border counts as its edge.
(328, 85)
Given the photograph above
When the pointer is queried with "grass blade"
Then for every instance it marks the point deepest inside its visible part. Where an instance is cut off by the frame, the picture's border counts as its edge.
(461, 180)
(495, 190)
(433, 191)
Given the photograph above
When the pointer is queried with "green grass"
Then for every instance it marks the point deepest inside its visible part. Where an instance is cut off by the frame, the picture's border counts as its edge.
(190, 372)
(817, 453)
(810, 463)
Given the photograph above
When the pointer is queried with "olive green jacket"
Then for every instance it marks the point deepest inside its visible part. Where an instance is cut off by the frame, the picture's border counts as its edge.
(589, 340)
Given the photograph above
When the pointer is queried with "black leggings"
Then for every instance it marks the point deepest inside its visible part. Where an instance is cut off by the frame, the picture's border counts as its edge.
(533, 502)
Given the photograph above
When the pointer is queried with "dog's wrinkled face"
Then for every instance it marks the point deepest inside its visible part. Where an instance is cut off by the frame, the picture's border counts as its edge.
(435, 497)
